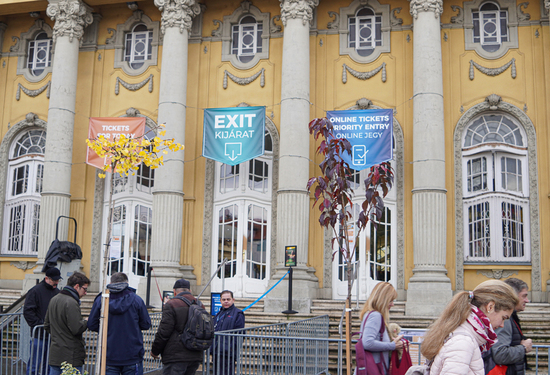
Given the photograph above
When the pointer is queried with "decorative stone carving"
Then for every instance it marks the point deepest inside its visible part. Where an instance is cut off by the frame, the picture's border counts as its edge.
(363, 75)
(547, 5)
(244, 81)
(33, 93)
(273, 27)
(493, 101)
(132, 112)
(111, 39)
(22, 265)
(16, 45)
(177, 13)
(217, 33)
(133, 86)
(497, 274)
(395, 21)
(523, 16)
(245, 6)
(71, 17)
(459, 18)
(298, 9)
(333, 25)
(493, 71)
(363, 103)
(435, 6)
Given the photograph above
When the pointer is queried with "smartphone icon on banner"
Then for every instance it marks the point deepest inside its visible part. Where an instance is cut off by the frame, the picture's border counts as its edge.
(359, 155)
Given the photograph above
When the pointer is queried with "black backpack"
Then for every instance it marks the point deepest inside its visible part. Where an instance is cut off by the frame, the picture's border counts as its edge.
(198, 332)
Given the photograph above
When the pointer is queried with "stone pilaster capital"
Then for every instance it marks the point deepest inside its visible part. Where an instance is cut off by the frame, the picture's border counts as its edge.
(298, 9)
(435, 6)
(177, 13)
(71, 18)
(547, 4)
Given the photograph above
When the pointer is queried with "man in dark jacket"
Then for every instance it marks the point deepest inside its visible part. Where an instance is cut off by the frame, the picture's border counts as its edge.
(225, 350)
(36, 304)
(176, 358)
(128, 316)
(65, 325)
(512, 346)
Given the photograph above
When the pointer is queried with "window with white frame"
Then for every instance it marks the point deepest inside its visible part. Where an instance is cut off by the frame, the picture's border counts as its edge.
(244, 35)
(24, 185)
(365, 31)
(495, 190)
(246, 39)
(138, 46)
(242, 212)
(40, 54)
(490, 26)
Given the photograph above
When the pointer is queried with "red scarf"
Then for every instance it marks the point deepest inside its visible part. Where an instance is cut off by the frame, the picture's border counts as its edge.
(482, 325)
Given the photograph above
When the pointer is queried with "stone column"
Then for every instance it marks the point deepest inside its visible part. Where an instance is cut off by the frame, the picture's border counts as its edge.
(71, 17)
(429, 288)
(176, 22)
(292, 199)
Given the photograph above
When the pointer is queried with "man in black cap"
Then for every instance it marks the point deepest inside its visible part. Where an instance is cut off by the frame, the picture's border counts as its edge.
(36, 304)
(176, 358)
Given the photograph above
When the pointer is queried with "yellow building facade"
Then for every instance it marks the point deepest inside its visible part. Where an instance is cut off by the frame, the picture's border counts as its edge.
(467, 82)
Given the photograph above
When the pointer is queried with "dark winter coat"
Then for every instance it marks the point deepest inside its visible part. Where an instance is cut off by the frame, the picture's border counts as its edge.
(225, 320)
(128, 316)
(167, 339)
(65, 324)
(36, 304)
(509, 350)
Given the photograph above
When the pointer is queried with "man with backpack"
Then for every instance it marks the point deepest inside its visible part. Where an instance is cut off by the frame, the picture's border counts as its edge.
(179, 358)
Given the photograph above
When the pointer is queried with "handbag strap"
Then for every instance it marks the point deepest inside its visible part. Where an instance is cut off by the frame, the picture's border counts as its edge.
(382, 328)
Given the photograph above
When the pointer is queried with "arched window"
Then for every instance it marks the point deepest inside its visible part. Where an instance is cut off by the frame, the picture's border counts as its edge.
(24, 185)
(247, 39)
(40, 54)
(242, 222)
(495, 190)
(138, 46)
(490, 26)
(365, 31)
(130, 246)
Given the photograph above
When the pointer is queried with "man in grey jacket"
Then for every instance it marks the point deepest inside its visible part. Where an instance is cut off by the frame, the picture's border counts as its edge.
(65, 325)
(512, 346)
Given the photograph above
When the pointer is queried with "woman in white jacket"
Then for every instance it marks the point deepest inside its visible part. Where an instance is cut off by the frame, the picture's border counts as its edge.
(376, 312)
(465, 329)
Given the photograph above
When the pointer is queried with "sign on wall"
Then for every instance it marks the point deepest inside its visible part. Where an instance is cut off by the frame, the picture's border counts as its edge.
(233, 135)
(110, 127)
(370, 133)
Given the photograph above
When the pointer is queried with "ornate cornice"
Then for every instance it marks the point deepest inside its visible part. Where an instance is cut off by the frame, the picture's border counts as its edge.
(298, 9)
(435, 6)
(32, 93)
(177, 13)
(493, 71)
(71, 18)
(246, 80)
(133, 86)
(363, 75)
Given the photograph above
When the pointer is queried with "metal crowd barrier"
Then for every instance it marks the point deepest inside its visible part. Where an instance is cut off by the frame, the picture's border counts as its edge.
(300, 347)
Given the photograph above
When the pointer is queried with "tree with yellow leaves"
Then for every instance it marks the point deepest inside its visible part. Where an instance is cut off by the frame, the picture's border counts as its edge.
(124, 155)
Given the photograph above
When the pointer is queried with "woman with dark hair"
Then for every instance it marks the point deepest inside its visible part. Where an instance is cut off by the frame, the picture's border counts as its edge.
(465, 329)
(376, 312)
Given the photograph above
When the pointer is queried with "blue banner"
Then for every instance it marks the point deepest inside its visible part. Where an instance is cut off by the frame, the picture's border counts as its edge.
(233, 135)
(370, 133)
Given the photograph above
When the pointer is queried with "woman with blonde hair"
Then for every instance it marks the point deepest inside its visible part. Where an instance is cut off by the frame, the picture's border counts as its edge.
(375, 313)
(465, 329)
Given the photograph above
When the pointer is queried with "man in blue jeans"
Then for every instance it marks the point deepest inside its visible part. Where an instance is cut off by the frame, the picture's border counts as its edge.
(36, 304)
(128, 316)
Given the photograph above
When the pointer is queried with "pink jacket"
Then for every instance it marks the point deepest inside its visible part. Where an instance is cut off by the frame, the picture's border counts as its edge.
(460, 355)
